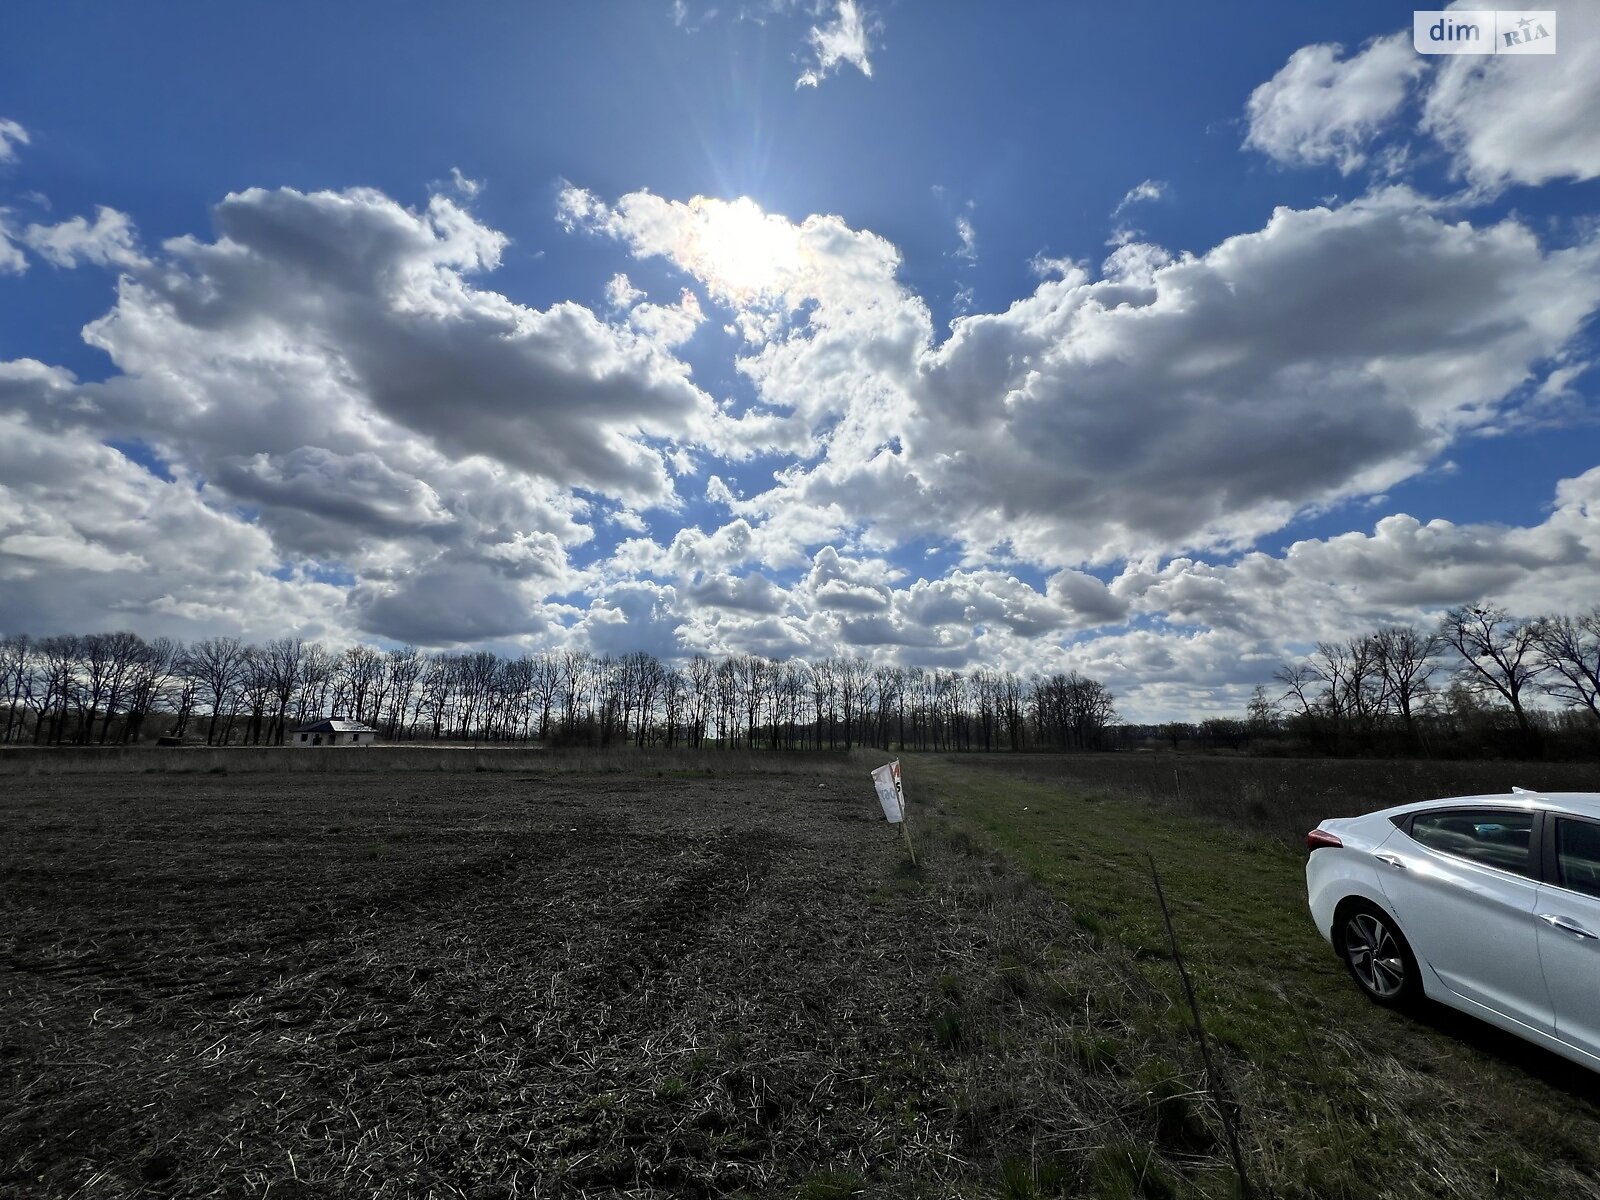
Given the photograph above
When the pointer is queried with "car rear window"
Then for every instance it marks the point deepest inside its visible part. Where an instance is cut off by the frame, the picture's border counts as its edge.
(1492, 837)
(1578, 855)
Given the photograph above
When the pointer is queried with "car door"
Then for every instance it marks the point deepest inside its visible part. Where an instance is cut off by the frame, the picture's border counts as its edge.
(1462, 883)
(1568, 913)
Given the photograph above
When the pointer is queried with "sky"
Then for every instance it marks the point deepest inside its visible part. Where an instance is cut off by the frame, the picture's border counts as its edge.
(1156, 342)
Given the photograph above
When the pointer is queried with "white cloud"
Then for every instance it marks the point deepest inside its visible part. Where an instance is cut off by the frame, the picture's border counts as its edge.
(12, 260)
(1150, 189)
(344, 316)
(1202, 401)
(12, 135)
(668, 324)
(334, 365)
(1527, 120)
(846, 39)
(110, 241)
(89, 538)
(1320, 108)
(969, 240)
(621, 294)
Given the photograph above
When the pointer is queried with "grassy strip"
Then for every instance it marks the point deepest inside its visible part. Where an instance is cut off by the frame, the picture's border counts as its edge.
(1339, 1097)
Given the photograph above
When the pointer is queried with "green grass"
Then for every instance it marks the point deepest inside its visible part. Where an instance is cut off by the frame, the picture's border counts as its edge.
(1336, 1096)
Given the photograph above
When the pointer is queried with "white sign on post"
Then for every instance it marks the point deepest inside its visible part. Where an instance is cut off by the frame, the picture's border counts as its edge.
(887, 780)
(892, 796)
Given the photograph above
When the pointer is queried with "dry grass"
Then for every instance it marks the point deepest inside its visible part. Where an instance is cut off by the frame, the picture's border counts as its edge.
(481, 985)
(362, 760)
(651, 975)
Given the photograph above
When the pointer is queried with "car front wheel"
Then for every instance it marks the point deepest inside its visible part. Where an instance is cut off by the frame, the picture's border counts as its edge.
(1378, 956)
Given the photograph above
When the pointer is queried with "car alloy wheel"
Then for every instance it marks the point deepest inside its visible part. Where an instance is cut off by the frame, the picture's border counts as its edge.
(1377, 956)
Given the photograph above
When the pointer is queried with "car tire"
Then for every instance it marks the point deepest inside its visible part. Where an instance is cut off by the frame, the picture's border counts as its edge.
(1378, 955)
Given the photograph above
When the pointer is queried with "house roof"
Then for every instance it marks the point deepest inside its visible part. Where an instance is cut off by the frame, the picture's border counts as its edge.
(335, 725)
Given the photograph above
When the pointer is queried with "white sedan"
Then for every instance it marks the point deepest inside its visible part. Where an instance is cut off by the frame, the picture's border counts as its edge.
(1490, 904)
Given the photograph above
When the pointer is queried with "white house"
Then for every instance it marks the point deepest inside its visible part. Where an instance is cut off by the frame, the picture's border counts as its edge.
(333, 732)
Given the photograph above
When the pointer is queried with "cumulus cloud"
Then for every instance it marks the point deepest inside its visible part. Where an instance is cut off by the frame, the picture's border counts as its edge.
(1523, 120)
(336, 392)
(1322, 108)
(1198, 401)
(344, 319)
(845, 39)
(109, 241)
(90, 538)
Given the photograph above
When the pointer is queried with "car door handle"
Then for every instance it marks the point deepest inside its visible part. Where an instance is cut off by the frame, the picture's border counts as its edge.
(1391, 860)
(1568, 925)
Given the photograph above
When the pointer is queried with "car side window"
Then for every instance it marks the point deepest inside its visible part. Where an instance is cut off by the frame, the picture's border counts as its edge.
(1578, 855)
(1498, 838)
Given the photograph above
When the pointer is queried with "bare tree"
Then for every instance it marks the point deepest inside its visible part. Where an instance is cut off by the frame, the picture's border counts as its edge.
(215, 663)
(702, 687)
(1569, 653)
(158, 664)
(1407, 658)
(16, 677)
(123, 653)
(58, 674)
(1496, 652)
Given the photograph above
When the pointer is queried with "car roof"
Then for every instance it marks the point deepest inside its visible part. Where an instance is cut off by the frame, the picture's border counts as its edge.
(1582, 804)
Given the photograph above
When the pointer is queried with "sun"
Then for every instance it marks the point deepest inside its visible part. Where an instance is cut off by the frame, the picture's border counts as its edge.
(741, 251)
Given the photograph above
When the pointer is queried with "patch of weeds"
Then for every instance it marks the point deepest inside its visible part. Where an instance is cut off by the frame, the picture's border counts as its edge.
(831, 1185)
(1015, 979)
(1174, 1104)
(1095, 1053)
(1126, 1170)
(672, 1090)
(1089, 922)
(949, 1029)
(951, 986)
(961, 842)
(698, 1064)
(1026, 1179)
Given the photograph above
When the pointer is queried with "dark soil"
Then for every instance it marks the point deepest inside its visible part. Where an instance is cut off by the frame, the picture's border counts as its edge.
(482, 985)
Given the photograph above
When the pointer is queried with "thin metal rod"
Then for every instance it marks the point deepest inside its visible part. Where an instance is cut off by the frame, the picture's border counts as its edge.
(1213, 1077)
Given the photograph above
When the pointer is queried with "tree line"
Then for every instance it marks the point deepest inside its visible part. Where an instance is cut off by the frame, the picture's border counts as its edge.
(1480, 681)
(118, 688)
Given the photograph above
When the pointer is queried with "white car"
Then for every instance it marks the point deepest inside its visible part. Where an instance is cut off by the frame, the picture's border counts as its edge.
(1490, 904)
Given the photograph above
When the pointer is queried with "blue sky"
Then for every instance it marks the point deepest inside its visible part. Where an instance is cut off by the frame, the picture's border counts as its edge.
(631, 325)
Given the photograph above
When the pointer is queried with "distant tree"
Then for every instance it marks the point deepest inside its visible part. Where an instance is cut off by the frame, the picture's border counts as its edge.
(152, 675)
(702, 689)
(16, 679)
(1261, 714)
(59, 657)
(1406, 658)
(1569, 653)
(215, 664)
(1496, 652)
